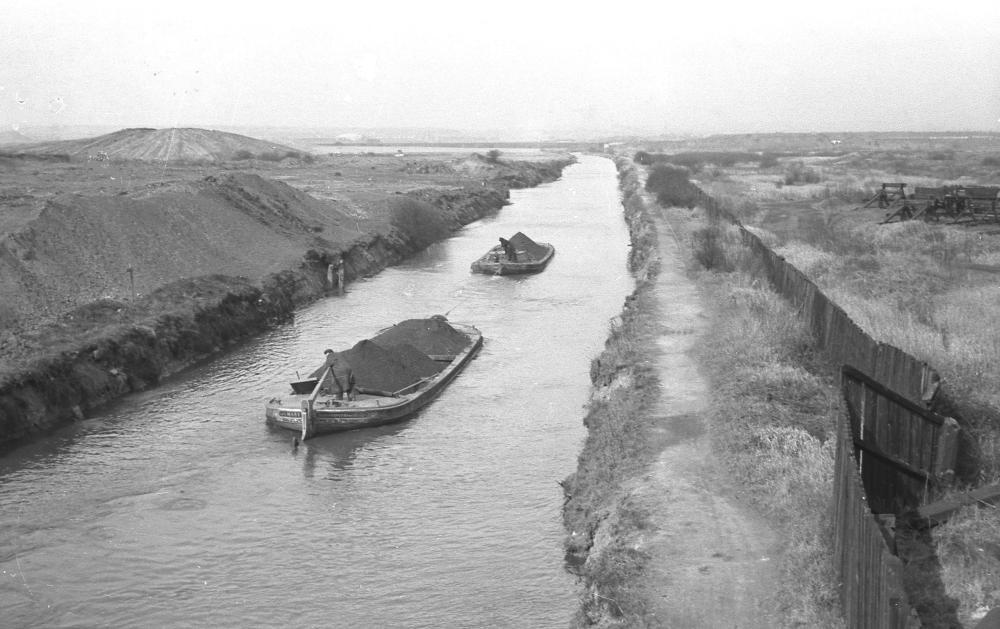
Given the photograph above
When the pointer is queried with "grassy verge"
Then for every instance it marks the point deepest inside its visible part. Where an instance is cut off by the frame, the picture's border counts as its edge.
(620, 444)
(926, 288)
(772, 415)
(906, 284)
(968, 550)
(910, 285)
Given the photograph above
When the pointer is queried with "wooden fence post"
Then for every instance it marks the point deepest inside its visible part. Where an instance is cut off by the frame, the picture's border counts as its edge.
(947, 450)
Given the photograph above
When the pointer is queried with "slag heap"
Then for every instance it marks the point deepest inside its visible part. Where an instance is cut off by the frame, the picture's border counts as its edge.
(433, 336)
(527, 248)
(400, 356)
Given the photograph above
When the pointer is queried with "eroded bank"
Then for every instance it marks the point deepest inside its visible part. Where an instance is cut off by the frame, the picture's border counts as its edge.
(105, 349)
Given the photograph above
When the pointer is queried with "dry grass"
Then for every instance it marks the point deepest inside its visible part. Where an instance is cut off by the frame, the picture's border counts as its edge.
(908, 284)
(772, 415)
(621, 442)
(905, 285)
(969, 548)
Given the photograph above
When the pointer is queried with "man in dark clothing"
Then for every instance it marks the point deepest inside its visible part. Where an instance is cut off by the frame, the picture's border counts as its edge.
(508, 249)
(341, 376)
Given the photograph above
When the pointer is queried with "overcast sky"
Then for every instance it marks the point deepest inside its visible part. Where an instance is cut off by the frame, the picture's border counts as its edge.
(674, 66)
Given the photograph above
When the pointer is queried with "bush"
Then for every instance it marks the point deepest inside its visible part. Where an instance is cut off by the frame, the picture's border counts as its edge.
(308, 158)
(797, 173)
(242, 154)
(708, 249)
(643, 158)
(418, 221)
(8, 316)
(672, 187)
(693, 162)
(768, 160)
(493, 156)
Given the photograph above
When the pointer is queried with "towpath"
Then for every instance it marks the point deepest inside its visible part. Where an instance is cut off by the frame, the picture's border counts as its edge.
(713, 558)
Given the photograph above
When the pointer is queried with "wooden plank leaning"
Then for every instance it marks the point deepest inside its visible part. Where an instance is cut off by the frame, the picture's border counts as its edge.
(938, 512)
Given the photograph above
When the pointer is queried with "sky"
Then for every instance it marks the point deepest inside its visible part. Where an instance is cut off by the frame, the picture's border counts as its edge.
(517, 69)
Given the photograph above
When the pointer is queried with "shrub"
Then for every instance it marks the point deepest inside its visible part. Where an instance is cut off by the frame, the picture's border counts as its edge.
(797, 173)
(708, 250)
(493, 156)
(242, 154)
(672, 186)
(308, 158)
(8, 316)
(768, 160)
(693, 162)
(417, 220)
(270, 156)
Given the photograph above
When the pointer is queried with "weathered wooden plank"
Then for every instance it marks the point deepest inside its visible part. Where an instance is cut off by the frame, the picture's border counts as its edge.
(946, 449)
(883, 391)
(927, 193)
(981, 193)
(917, 446)
(938, 512)
(893, 430)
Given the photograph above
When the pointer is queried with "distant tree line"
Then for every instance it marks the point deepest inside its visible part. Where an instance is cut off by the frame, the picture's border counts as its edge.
(695, 161)
(672, 186)
(274, 156)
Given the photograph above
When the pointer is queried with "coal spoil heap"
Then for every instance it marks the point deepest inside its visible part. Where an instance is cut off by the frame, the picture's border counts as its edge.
(524, 245)
(376, 367)
(416, 361)
(433, 336)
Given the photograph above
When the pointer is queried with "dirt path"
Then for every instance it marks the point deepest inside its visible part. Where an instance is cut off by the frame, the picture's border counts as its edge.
(712, 556)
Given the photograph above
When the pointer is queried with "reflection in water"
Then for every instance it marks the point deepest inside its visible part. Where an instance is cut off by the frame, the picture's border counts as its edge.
(179, 507)
(336, 452)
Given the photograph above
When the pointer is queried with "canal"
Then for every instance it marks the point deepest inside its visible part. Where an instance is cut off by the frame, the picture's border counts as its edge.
(179, 507)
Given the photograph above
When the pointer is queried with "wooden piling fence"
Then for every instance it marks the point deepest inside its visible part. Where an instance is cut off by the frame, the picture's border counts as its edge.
(837, 336)
(892, 450)
(872, 591)
(904, 451)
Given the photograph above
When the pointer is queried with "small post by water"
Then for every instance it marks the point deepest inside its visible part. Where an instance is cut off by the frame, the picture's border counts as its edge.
(131, 281)
(335, 273)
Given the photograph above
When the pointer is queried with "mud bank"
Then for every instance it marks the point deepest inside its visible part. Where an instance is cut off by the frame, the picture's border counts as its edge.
(107, 348)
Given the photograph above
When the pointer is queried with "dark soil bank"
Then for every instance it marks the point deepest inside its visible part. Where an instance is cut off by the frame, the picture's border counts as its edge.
(107, 348)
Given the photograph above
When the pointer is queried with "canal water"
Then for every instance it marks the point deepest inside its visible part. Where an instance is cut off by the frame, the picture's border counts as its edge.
(178, 507)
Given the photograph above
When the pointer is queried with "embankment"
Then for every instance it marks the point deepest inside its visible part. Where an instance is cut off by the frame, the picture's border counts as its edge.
(108, 348)
(656, 527)
(618, 444)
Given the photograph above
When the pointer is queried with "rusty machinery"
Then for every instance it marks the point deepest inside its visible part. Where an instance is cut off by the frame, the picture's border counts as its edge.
(953, 203)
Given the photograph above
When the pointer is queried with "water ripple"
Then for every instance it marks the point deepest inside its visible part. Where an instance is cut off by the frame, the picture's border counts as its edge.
(179, 507)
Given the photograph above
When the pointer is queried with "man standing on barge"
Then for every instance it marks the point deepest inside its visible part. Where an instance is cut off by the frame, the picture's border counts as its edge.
(341, 375)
